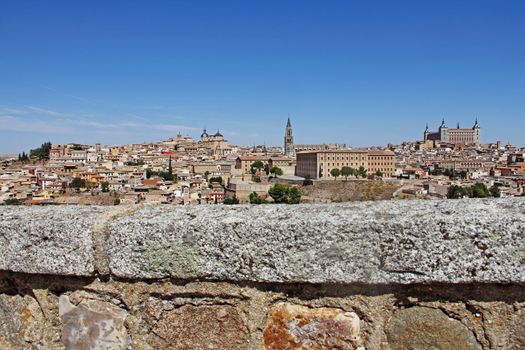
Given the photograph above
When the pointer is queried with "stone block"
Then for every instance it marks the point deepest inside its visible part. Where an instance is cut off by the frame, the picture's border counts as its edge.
(291, 327)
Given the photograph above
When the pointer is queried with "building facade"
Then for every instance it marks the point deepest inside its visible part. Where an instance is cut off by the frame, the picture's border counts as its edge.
(454, 135)
(319, 164)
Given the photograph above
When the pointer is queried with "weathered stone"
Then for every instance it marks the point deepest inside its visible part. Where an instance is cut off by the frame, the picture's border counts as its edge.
(454, 241)
(292, 327)
(190, 327)
(49, 240)
(92, 325)
(451, 241)
(426, 328)
(22, 322)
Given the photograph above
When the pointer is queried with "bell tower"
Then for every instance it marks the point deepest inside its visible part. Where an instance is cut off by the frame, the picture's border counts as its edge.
(288, 139)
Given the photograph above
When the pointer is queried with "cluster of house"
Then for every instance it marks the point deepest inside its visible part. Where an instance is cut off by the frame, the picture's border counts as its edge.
(182, 170)
(429, 168)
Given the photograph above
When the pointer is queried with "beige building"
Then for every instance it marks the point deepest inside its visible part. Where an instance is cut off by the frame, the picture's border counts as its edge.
(319, 164)
(244, 163)
(381, 160)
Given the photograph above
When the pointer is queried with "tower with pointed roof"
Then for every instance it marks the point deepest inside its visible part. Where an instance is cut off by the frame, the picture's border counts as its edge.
(288, 139)
(443, 131)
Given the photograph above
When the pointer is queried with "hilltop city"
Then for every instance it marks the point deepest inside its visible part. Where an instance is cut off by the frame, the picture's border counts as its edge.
(450, 162)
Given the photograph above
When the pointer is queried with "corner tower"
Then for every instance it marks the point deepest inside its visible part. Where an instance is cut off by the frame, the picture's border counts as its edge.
(288, 139)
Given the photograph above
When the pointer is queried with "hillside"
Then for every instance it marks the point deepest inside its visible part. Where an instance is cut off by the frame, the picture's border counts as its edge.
(347, 191)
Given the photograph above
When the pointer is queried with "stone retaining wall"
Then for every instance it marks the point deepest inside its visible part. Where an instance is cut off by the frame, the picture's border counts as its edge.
(374, 275)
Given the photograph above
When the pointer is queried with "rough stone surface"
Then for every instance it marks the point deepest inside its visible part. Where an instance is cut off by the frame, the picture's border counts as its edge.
(382, 275)
(426, 328)
(192, 327)
(293, 327)
(52, 240)
(453, 241)
(92, 325)
(57, 312)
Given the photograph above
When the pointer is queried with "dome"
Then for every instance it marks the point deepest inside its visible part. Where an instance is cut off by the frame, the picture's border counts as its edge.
(218, 134)
(204, 133)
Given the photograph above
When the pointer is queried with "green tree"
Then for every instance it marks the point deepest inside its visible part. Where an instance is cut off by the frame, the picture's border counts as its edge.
(116, 201)
(294, 195)
(346, 171)
(276, 171)
(170, 170)
(256, 199)
(12, 201)
(77, 183)
(42, 152)
(231, 200)
(279, 193)
(216, 179)
(104, 186)
(307, 181)
(378, 173)
(267, 169)
(479, 190)
(320, 172)
(361, 171)
(495, 191)
(282, 193)
(256, 166)
(335, 172)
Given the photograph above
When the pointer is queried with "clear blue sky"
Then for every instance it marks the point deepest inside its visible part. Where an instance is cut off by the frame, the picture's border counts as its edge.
(356, 72)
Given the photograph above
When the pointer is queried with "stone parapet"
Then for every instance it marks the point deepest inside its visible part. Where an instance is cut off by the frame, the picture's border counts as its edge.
(451, 241)
(373, 275)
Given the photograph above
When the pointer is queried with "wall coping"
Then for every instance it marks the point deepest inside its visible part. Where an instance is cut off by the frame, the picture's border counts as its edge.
(382, 242)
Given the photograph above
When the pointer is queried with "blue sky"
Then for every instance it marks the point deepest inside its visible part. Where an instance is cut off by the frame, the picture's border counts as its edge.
(356, 72)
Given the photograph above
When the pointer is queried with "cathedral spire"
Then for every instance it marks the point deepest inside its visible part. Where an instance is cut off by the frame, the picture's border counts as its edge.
(288, 139)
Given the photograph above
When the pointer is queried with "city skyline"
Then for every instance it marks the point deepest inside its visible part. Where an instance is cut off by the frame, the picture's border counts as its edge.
(359, 74)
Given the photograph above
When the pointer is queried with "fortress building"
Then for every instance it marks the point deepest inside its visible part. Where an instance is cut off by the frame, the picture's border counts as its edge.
(454, 135)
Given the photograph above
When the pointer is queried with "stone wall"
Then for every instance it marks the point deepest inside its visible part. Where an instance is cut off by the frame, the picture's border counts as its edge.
(373, 275)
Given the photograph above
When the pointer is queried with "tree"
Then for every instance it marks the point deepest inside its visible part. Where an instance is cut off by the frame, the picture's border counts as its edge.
(495, 191)
(361, 171)
(320, 172)
(42, 152)
(267, 169)
(347, 171)
(276, 171)
(77, 183)
(378, 173)
(12, 201)
(256, 166)
(479, 190)
(256, 199)
(455, 192)
(232, 200)
(279, 193)
(335, 172)
(307, 181)
(116, 201)
(282, 193)
(23, 157)
(170, 169)
(294, 195)
(104, 186)
(216, 179)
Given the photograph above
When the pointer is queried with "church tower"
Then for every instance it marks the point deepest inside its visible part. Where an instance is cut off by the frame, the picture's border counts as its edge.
(288, 140)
